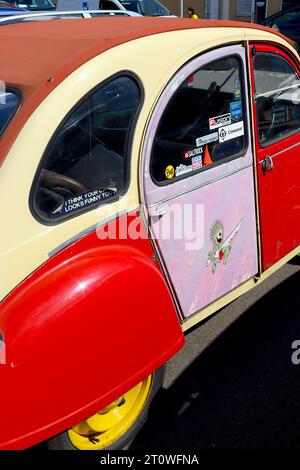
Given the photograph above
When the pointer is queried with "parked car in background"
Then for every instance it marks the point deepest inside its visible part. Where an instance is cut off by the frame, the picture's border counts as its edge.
(142, 7)
(149, 176)
(9, 8)
(36, 5)
(287, 22)
(62, 15)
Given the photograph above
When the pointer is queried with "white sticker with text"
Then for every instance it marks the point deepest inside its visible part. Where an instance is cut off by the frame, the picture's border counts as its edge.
(207, 139)
(219, 121)
(231, 132)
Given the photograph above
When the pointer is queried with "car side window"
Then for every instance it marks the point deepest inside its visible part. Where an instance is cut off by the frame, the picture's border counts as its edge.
(291, 17)
(203, 124)
(85, 164)
(107, 5)
(277, 98)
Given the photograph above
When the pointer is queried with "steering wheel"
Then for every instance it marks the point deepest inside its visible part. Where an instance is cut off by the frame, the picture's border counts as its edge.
(54, 189)
(52, 180)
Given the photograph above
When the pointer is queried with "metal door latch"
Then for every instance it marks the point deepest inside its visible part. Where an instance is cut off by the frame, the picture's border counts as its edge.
(267, 164)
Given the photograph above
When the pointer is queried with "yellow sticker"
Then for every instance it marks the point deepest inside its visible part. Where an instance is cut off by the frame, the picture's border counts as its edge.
(169, 172)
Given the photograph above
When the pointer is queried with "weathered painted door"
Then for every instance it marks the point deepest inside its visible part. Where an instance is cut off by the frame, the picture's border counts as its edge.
(276, 92)
(198, 184)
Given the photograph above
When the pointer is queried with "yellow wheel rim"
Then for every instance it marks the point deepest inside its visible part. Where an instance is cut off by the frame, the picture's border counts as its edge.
(110, 424)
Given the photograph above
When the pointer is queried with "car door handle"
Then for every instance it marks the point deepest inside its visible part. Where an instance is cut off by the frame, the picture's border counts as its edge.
(158, 210)
(267, 164)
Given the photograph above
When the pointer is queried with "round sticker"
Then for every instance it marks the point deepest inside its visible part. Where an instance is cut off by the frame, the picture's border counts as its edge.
(169, 172)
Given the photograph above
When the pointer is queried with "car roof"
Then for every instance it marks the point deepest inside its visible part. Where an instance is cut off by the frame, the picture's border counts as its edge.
(33, 52)
(36, 57)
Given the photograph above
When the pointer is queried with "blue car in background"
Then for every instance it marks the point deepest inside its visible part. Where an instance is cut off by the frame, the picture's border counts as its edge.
(287, 22)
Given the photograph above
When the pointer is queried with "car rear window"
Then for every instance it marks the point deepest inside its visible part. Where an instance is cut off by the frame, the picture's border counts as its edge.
(86, 164)
(9, 102)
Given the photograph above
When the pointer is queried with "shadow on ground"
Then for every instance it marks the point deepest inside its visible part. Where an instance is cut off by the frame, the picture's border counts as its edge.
(243, 391)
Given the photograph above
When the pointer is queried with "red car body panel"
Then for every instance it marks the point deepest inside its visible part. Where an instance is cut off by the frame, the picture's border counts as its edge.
(278, 190)
(97, 317)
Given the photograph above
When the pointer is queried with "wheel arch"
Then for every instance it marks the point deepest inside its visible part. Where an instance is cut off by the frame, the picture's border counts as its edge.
(83, 329)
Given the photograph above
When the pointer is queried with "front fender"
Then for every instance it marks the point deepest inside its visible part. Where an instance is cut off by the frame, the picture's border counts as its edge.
(83, 329)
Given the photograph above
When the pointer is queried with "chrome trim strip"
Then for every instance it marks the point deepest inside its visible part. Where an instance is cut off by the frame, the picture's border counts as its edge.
(84, 232)
(282, 151)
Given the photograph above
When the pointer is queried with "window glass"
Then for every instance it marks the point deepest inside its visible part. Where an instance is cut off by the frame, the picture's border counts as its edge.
(107, 5)
(8, 105)
(277, 98)
(289, 18)
(203, 123)
(145, 7)
(37, 5)
(86, 163)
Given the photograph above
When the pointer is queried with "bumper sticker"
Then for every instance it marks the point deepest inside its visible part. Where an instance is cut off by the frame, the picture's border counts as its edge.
(207, 139)
(197, 163)
(231, 132)
(192, 153)
(183, 169)
(236, 110)
(237, 88)
(219, 121)
(83, 200)
(169, 172)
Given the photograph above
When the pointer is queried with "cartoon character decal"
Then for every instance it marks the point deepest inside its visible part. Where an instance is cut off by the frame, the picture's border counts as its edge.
(221, 249)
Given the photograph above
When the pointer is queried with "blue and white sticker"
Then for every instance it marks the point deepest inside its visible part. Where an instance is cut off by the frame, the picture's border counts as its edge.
(197, 162)
(236, 110)
(83, 200)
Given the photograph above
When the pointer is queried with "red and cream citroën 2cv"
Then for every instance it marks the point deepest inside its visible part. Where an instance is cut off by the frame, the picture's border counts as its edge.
(149, 176)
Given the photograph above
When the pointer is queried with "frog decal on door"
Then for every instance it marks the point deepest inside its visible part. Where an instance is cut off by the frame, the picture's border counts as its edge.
(221, 250)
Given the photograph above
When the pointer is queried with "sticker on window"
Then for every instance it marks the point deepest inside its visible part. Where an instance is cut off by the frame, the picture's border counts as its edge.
(183, 169)
(237, 88)
(231, 132)
(197, 162)
(169, 172)
(83, 200)
(236, 110)
(207, 139)
(219, 121)
(192, 153)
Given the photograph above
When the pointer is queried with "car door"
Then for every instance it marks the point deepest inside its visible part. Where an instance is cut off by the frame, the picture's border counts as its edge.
(198, 188)
(277, 122)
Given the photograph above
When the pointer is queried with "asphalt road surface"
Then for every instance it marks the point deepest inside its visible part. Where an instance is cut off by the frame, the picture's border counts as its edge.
(233, 385)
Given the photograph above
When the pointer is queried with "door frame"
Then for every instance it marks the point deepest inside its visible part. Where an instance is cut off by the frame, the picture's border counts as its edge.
(292, 60)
